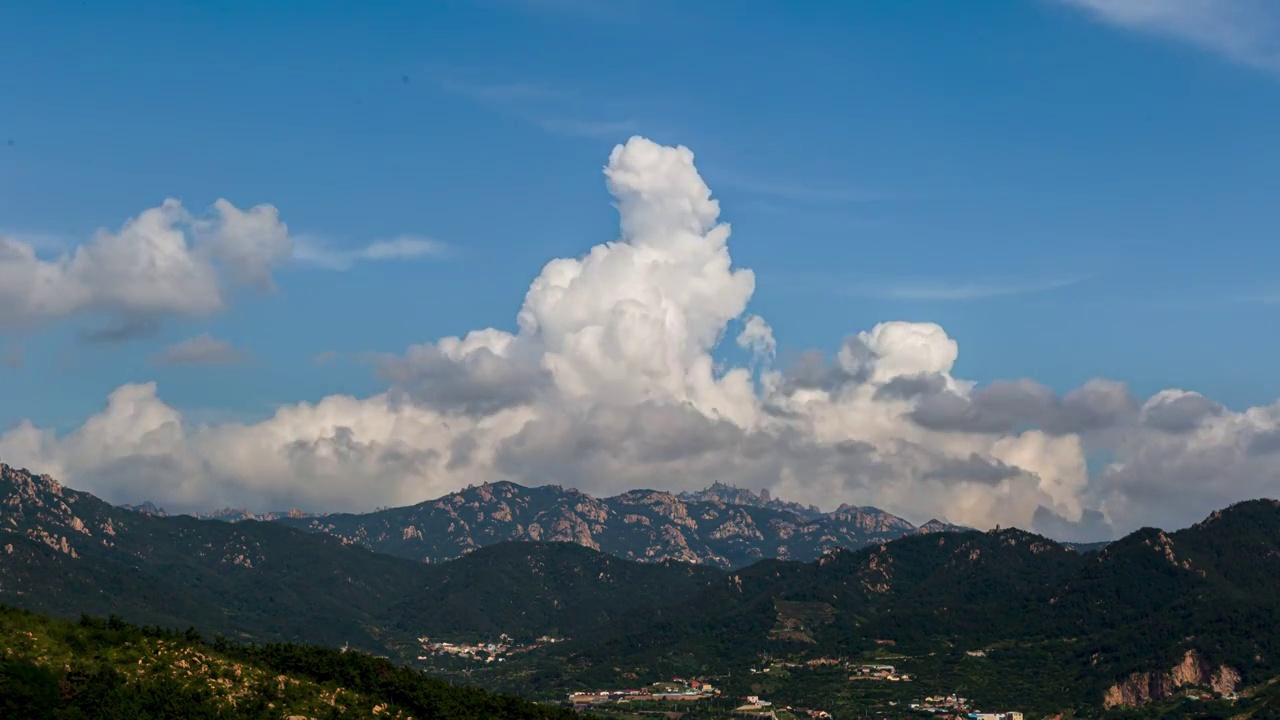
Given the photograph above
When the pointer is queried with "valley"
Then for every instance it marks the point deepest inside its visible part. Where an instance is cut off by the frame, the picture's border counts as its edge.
(1008, 620)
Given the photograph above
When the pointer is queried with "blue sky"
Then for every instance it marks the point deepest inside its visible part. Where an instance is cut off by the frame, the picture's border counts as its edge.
(856, 148)
(1070, 194)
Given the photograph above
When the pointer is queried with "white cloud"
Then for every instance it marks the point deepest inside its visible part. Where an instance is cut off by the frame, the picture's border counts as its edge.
(757, 336)
(610, 383)
(405, 247)
(1245, 31)
(202, 349)
(165, 262)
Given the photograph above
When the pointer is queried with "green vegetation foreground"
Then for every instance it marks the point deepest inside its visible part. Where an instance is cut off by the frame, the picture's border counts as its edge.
(109, 669)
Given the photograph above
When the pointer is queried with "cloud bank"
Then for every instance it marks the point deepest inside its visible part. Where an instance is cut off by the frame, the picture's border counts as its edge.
(611, 380)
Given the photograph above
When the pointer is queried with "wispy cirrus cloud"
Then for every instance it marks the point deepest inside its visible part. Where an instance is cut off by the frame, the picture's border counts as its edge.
(317, 252)
(923, 289)
(539, 103)
(501, 92)
(14, 356)
(202, 349)
(121, 330)
(606, 11)
(1244, 31)
(1262, 296)
(603, 129)
(805, 193)
(949, 290)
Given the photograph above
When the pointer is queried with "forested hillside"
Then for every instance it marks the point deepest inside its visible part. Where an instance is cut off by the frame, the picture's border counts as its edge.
(98, 668)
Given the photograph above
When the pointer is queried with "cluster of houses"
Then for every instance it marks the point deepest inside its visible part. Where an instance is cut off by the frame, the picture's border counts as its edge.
(483, 652)
(757, 707)
(679, 689)
(754, 705)
(943, 705)
(954, 706)
(878, 672)
(698, 686)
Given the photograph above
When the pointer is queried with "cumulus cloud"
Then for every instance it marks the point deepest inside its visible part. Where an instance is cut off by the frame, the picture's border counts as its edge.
(163, 263)
(1177, 411)
(202, 349)
(757, 336)
(1006, 406)
(610, 380)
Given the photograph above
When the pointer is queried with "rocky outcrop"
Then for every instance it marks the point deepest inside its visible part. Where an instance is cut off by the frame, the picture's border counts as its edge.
(41, 509)
(1141, 688)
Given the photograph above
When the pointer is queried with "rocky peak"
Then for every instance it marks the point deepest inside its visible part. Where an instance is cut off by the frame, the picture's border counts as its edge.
(22, 483)
(934, 526)
(146, 508)
(41, 509)
(871, 519)
(719, 492)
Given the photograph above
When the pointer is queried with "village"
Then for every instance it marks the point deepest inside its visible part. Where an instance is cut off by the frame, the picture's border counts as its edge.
(943, 707)
(486, 652)
(684, 691)
(677, 690)
(886, 673)
(954, 706)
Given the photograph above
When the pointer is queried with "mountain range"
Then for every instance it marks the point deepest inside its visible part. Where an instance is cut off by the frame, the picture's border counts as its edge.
(1007, 616)
(68, 552)
(722, 526)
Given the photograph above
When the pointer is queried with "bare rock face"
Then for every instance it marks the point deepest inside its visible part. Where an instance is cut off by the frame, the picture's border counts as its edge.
(1141, 688)
(738, 525)
(1225, 680)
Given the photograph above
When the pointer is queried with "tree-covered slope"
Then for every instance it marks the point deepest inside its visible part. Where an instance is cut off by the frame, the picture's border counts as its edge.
(1150, 615)
(109, 669)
